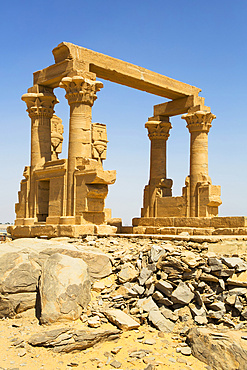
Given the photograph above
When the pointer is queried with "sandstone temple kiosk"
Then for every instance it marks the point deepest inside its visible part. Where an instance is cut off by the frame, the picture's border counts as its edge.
(66, 197)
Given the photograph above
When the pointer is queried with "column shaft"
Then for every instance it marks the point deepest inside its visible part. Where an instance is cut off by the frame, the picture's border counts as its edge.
(81, 94)
(199, 124)
(40, 107)
(158, 133)
(158, 159)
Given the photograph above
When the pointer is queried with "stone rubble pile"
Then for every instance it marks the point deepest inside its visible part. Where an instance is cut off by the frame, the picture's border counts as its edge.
(173, 286)
(164, 283)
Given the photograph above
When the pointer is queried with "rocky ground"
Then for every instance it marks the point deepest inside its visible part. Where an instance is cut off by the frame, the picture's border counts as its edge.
(154, 304)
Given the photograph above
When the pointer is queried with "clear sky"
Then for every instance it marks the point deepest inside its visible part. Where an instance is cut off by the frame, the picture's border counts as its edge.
(202, 43)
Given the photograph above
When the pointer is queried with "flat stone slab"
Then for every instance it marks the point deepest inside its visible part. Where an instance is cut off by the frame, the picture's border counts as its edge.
(121, 319)
(70, 340)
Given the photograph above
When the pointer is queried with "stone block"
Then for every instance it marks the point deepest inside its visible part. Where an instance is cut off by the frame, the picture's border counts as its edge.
(139, 230)
(202, 231)
(53, 220)
(168, 230)
(108, 214)
(127, 230)
(171, 207)
(97, 218)
(188, 230)
(19, 221)
(44, 230)
(117, 222)
(143, 221)
(242, 231)
(164, 221)
(192, 222)
(67, 220)
(225, 231)
(19, 231)
(228, 222)
(105, 229)
(152, 230)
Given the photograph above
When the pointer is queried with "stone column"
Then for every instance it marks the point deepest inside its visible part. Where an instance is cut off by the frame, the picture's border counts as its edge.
(158, 133)
(81, 94)
(199, 124)
(40, 107)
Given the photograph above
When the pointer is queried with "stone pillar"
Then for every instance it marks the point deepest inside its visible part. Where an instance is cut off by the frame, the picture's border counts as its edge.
(158, 133)
(159, 185)
(199, 124)
(40, 107)
(81, 94)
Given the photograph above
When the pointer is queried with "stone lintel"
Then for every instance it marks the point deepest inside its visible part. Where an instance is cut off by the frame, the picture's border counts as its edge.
(75, 59)
(179, 106)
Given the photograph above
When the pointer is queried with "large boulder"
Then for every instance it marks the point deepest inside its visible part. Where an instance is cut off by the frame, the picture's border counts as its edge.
(220, 350)
(64, 288)
(21, 263)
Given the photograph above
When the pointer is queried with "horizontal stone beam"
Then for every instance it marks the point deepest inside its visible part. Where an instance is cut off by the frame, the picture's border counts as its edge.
(178, 106)
(72, 59)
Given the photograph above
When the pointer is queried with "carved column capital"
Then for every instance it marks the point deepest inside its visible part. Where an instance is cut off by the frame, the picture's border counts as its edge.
(40, 104)
(199, 121)
(80, 89)
(158, 129)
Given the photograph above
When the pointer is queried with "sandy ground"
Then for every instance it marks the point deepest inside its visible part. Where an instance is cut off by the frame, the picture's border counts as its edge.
(162, 353)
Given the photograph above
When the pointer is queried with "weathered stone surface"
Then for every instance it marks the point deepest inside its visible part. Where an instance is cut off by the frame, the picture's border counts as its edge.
(160, 322)
(164, 287)
(64, 288)
(145, 273)
(221, 351)
(11, 304)
(70, 340)
(19, 272)
(238, 279)
(121, 319)
(99, 264)
(191, 259)
(127, 273)
(159, 298)
(182, 294)
(235, 262)
(168, 314)
(147, 304)
(156, 252)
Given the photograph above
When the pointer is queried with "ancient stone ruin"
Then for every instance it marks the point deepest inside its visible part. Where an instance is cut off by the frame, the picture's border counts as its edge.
(65, 197)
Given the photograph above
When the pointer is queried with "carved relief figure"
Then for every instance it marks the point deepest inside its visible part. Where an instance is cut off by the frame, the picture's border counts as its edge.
(56, 137)
(99, 141)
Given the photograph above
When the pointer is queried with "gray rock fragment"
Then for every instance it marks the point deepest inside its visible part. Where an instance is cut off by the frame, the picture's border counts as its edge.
(182, 294)
(164, 287)
(160, 322)
(121, 319)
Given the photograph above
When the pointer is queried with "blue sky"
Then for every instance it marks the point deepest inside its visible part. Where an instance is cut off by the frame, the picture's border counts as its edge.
(202, 43)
